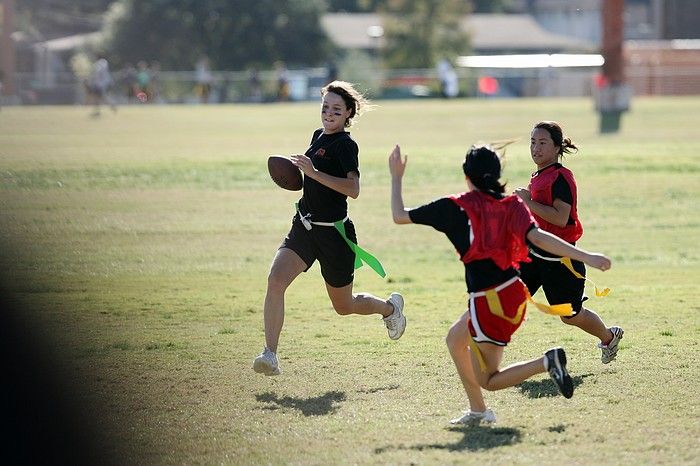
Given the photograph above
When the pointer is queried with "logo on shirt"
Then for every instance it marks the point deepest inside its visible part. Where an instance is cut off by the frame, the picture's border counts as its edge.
(321, 152)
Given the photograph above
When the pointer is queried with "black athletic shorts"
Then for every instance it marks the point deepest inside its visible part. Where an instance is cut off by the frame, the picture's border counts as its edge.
(325, 244)
(560, 286)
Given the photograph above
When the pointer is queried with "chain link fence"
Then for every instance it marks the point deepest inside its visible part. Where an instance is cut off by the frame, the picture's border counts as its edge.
(181, 87)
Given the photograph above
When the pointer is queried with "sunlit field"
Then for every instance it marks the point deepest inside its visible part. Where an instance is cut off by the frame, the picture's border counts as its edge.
(134, 250)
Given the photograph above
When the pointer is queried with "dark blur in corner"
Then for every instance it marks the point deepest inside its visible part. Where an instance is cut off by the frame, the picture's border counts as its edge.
(42, 422)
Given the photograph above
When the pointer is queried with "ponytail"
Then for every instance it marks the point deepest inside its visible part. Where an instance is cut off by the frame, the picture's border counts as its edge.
(483, 167)
(567, 147)
(565, 144)
(488, 183)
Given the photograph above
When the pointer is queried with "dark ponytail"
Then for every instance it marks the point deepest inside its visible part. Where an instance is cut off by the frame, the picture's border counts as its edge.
(488, 183)
(565, 144)
(483, 167)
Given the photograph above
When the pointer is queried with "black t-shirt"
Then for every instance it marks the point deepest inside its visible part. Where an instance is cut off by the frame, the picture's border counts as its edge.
(446, 216)
(337, 155)
(562, 191)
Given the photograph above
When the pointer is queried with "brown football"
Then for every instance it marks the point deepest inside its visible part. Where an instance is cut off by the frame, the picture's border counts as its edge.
(284, 173)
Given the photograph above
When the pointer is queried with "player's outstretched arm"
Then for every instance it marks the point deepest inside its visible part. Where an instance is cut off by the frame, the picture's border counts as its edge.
(397, 167)
(555, 245)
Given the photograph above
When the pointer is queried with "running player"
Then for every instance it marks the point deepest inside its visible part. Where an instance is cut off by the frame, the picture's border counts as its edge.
(552, 199)
(491, 232)
(321, 228)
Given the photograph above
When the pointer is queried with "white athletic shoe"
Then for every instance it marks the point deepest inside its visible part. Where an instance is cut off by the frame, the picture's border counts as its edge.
(396, 322)
(474, 418)
(266, 363)
(609, 351)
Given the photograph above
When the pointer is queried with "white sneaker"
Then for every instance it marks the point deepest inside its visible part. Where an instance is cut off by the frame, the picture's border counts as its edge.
(609, 351)
(474, 418)
(266, 363)
(396, 322)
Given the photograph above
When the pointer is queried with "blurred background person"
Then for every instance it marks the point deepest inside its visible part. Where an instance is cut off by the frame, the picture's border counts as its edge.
(254, 86)
(99, 84)
(449, 83)
(127, 80)
(143, 81)
(282, 81)
(331, 72)
(204, 79)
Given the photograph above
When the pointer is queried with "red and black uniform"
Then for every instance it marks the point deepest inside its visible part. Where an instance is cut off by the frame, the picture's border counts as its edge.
(559, 284)
(489, 234)
(337, 155)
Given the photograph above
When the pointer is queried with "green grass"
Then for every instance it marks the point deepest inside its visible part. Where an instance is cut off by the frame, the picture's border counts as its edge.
(137, 246)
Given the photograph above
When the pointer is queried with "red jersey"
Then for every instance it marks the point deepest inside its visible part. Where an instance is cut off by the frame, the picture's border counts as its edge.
(498, 226)
(541, 192)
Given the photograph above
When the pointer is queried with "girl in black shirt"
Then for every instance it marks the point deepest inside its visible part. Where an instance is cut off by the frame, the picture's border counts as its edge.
(331, 174)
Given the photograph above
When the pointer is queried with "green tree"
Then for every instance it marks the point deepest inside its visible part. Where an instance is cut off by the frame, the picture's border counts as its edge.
(493, 6)
(353, 6)
(419, 32)
(235, 34)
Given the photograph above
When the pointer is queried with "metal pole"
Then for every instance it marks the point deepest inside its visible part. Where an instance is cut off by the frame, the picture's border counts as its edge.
(614, 97)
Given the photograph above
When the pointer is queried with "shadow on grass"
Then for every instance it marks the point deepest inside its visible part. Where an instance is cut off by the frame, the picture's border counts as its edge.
(474, 438)
(378, 389)
(314, 406)
(546, 387)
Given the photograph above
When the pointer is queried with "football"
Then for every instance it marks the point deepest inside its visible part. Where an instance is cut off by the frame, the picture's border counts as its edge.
(284, 173)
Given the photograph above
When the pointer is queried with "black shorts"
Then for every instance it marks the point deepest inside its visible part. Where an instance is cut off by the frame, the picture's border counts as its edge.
(325, 244)
(560, 286)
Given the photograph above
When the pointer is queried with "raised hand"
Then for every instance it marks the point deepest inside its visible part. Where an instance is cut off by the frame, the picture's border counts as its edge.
(397, 165)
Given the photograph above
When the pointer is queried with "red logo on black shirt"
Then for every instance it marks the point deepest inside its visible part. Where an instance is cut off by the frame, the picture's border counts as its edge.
(321, 152)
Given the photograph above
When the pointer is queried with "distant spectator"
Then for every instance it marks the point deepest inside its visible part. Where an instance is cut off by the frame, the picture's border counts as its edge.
(143, 82)
(449, 83)
(282, 81)
(99, 84)
(128, 81)
(204, 79)
(331, 72)
(254, 86)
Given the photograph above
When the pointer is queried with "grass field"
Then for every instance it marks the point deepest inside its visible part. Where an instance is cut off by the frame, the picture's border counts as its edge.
(134, 248)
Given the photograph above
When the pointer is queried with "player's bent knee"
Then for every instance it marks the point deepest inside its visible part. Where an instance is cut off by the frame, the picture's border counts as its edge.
(455, 339)
(277, 281)
(487, 385)
(457, 336)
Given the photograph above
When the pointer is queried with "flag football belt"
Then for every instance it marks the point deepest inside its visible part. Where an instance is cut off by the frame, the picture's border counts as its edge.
(361, 255)
(567, 263)
(494, 305)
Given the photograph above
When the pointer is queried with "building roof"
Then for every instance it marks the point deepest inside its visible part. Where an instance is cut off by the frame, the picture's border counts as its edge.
(489, 33)
(68, 43)
(352, 30)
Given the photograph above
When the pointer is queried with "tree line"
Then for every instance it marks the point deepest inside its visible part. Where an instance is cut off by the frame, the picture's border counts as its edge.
(244, 34)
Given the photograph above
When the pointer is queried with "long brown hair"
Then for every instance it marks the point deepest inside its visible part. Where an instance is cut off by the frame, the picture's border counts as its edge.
(354, 100)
